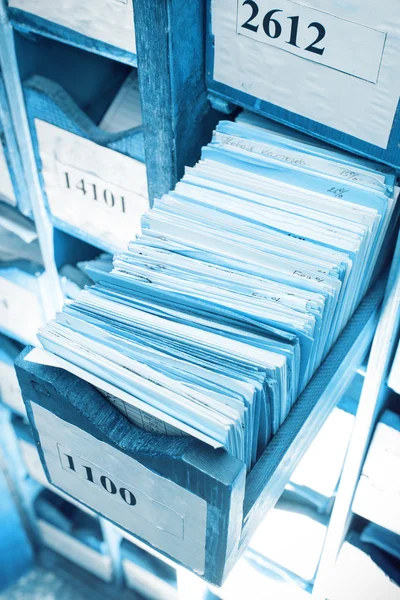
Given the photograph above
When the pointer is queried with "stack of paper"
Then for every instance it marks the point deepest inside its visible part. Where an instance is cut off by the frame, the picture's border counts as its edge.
(217, 316)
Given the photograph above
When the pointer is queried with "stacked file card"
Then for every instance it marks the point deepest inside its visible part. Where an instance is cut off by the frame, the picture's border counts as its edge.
(377, 495)
(7, 193)
(21, 276)
(363, 572)
(10, 393)
(72, 533)
(217, 316)
(74, 278)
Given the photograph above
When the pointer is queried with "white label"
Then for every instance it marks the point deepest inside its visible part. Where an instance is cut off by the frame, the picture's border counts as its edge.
(20, 310)
(120, 488)
(313, 35)
(353, 86)
(6, 187)
(109, 21)
(75, 550)
(97, 190)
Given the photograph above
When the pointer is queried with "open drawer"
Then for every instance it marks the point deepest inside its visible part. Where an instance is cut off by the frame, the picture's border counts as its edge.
(190, 502)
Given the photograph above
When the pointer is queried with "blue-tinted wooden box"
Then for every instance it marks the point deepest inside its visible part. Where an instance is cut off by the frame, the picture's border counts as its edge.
(326, 68)
(105, 27)
(192, 503)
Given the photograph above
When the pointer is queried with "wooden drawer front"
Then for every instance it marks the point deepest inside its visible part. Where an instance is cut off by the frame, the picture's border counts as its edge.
(176, 494)
(75, 551)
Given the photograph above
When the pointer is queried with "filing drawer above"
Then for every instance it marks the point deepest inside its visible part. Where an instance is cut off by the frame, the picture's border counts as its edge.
(330, 69)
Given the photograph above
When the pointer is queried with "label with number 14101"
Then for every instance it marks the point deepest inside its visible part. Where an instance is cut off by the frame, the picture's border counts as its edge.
(314, 35)
(97, 191)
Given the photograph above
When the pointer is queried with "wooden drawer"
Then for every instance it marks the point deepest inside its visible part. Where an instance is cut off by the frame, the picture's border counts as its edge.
(318, 66)
(106, 27)
(193, 504)
(70, 537)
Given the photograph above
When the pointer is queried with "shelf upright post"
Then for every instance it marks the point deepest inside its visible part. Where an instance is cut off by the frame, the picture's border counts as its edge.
(369, 408)
(53, 299)
(177, 116)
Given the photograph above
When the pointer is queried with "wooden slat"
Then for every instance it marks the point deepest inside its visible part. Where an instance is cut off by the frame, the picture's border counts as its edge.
(273, 470)
(370, 405)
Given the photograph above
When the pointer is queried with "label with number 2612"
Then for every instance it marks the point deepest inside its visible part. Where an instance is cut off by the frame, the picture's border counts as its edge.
(314, 35)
